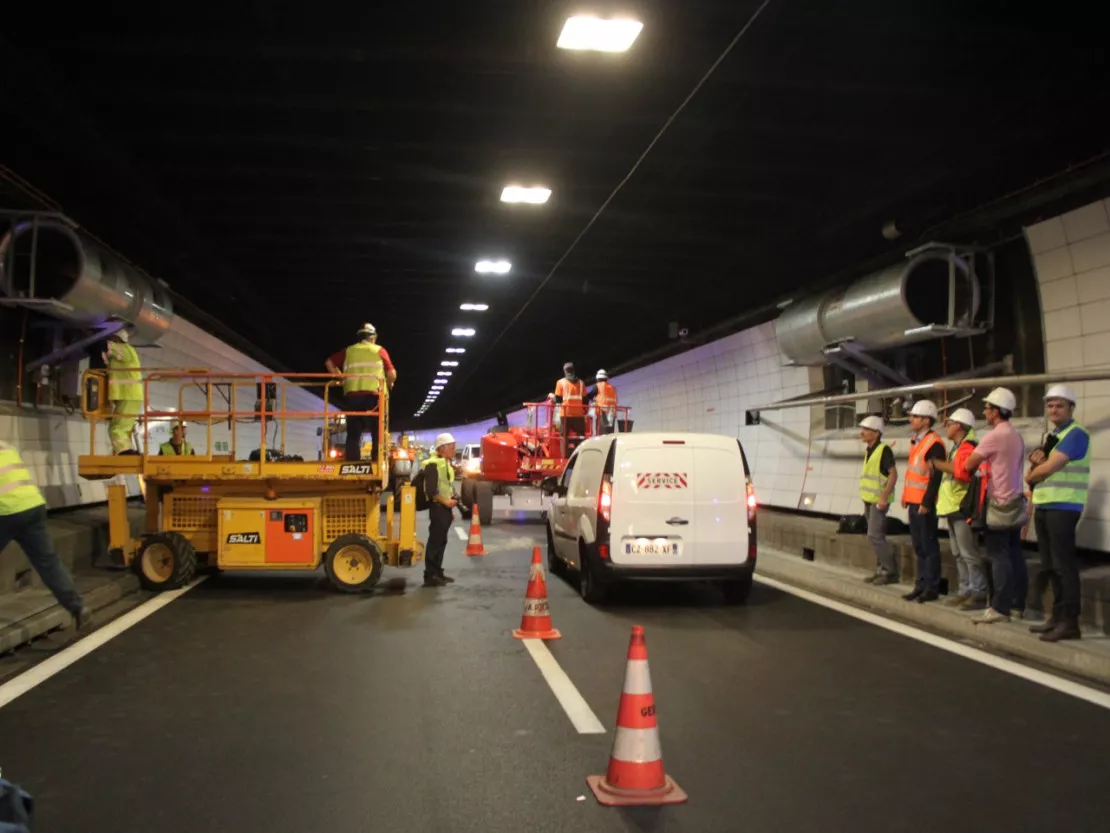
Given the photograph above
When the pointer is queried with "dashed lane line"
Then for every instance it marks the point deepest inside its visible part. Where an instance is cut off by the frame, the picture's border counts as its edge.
(462, 533)
(573, 703)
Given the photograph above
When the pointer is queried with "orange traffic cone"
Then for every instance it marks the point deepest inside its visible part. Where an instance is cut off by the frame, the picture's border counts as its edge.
(636, 775)
(536, 621)
(474, 546)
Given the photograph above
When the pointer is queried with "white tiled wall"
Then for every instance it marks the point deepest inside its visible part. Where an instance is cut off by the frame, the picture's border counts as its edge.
(51, 442)
(709, 388)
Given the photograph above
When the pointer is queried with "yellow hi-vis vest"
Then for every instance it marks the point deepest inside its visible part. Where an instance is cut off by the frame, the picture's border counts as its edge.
(167, 449)
(124, 376)
(953, 491)
(1071, 483)
(871, 480)
(18, 491)
(363, 359)
(445, 475)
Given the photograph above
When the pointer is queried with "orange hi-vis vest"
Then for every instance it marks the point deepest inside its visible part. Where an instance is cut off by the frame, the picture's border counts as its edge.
(572, 393)
(606, 395)
(917, 474)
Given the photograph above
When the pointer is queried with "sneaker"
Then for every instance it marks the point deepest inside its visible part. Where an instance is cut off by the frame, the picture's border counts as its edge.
(956, 601)
(871, 579)
(82, 620)
(884, 579)
(990, 616)
(973, 603)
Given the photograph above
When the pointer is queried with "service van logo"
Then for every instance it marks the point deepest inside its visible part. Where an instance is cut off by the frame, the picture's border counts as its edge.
(355, 468)
(244, 538)
(661, 480)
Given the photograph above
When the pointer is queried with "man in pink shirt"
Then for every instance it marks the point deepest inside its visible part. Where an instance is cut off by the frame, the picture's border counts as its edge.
(1004, 449)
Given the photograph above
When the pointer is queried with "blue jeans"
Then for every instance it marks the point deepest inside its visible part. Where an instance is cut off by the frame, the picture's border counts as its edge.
(926, 546)
(28, 529)
(1008, 570)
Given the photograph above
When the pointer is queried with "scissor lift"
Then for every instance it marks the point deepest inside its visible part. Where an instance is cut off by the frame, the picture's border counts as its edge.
(231, 511)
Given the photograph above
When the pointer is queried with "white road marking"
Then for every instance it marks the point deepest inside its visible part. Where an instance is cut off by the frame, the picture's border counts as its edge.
(1064, 686)
(463, 534)
(65, 658)
(573, 703)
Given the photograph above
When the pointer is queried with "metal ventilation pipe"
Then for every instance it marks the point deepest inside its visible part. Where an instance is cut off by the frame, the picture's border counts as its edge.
(45, 264)
(931, 295)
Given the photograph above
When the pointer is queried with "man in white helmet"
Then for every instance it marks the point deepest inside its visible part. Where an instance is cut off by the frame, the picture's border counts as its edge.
(368, 365)
(605, 404)
(1061, 478)
(954, 484)
(439, 475)
(876, 484)
(919, 497)
(1004, 449)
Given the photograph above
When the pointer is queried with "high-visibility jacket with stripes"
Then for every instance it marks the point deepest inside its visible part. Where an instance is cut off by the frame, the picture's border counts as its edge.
(572, 394)
(606, 395)
(917, 471)
(124, 376)
(871, 479)
(445, 475)
(953, 491)
(363, 359)
(167, 449)
(18, 491)
(1071, 483)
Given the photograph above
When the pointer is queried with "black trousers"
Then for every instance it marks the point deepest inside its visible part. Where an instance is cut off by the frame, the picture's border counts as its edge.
(1059, 565)
(439, 517)
(28, 529)
(359, 425)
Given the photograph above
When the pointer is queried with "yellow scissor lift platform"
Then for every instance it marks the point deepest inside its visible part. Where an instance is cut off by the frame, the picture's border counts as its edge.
(218, 511)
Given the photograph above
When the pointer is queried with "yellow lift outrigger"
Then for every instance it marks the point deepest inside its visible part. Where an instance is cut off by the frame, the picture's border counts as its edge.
(215, 510)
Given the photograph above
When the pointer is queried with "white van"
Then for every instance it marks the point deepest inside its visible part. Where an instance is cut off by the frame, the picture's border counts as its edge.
(671, 506)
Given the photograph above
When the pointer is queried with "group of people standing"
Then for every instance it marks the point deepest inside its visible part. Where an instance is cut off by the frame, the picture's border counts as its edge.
(978, 486)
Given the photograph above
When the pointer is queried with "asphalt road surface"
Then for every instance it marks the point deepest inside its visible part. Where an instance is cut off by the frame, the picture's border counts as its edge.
(269, 703)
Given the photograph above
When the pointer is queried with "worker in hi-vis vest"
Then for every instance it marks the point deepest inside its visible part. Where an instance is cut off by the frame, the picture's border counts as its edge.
(439, 477)
(876, 485)
(919, 496)
(176, 446)
(570, 407)
(955, 481)
(1061, 478)
(605, 404)
(371, 366)
(125, 391)
(23, 520)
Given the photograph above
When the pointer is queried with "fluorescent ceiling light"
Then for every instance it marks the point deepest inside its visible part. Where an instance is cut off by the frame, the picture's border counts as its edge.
(456, 349)
(533, 195)
(465, 332)
(443, 373)
(587, 32)
(448, 364)
(474, 307)
(493, 267)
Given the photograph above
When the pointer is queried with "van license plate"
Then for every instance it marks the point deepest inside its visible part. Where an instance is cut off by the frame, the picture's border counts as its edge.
(659, 546)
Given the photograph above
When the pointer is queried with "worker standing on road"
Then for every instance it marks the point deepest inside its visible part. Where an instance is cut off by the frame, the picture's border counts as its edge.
(605, 403)
(876, 485)
(1061, 477)
(370, 364)
(1004, 449)
(954, 483)
(176, 446)
(919, 496)
(439, 475)
(23, 520)
(569, 396)
(125, 390)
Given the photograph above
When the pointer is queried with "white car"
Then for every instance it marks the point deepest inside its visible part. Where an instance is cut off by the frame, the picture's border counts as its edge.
(671, 506)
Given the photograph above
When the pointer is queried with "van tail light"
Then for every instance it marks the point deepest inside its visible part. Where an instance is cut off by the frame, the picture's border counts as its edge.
(603, 551)
(605, 498)
(751, 503)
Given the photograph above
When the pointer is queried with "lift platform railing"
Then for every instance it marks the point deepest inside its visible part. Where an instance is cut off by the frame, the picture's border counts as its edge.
(546, 423)
(224, 402)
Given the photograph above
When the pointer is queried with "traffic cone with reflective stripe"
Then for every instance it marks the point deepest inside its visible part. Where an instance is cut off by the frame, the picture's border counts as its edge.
(536, 621)
(635, 775)
(475, 546)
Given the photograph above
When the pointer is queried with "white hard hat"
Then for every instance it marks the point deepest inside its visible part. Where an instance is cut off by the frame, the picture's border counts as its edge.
(123, 336)
(368, 328)
(963, 416)
(444, 439)
(601, 374)
(924, 408)
(873, 422)
(1060, 392)
(1002, 398)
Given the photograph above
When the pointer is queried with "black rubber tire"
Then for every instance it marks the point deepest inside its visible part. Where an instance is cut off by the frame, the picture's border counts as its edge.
(467, 499)
(590, 587)
(171, 550)
(353, 539)
(736, 592)
(555, 565)
(484, 499)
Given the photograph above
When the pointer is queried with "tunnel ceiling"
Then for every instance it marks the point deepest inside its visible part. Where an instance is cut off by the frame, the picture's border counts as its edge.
(295, 170)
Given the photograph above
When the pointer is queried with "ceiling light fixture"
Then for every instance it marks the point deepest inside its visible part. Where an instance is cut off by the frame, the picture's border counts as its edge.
(532, 195)
(456, 349)
(448, 364)
(464, 332)
(493, 267)
(474, 307)
(585, 32)
(443, 373)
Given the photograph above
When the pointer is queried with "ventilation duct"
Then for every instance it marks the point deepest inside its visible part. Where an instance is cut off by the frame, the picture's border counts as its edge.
(77, 281)
(935, 293)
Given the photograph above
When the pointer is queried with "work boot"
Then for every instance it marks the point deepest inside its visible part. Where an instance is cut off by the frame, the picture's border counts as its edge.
(884, 579)
(434, 581)
(1066, 629)
(956, 601)
(1044, 627)
(913, 595)
(872, 579)
(82, 620)
(446, 578)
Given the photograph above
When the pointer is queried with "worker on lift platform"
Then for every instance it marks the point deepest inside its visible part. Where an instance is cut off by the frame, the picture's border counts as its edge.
(125, 391)
(176, 446)
(570, 407)
(605, 403)
(369, 362)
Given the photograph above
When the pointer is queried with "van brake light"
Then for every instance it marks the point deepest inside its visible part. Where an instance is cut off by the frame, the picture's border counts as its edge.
(751, 502)
(605, 498)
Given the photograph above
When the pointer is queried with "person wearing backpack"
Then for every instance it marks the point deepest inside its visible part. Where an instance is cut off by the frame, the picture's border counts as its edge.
(438, 476)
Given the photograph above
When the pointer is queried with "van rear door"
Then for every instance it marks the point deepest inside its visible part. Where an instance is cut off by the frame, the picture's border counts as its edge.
(720, 501)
